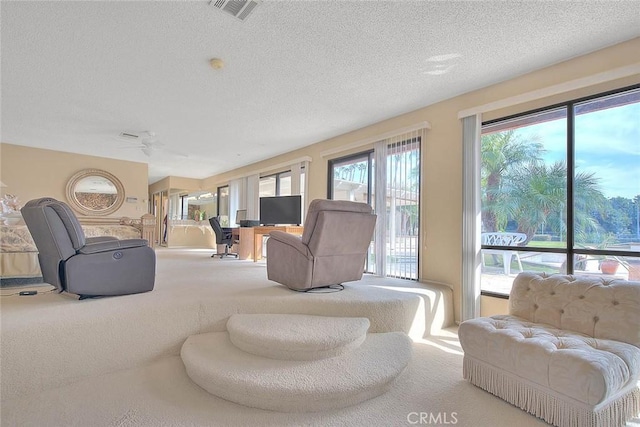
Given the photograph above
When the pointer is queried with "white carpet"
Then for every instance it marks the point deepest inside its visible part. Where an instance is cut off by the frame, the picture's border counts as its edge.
(42, 345)
(161, 394)
(296, 336)
(219, 367)
(50, 340)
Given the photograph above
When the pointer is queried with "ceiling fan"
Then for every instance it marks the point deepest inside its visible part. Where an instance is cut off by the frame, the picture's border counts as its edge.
(147, 142)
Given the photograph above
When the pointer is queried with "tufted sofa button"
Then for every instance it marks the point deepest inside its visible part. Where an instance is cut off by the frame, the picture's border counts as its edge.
(596, 318)
(581, 297)
(535, 306)
(552, 293)
(615, 302)
(561, 311)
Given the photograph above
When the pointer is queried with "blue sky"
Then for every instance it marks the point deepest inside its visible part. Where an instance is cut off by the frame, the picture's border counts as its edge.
(607, 143)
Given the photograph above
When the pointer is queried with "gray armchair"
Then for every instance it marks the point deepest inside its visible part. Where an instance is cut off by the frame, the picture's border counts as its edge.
(88, 267)
(332, 249)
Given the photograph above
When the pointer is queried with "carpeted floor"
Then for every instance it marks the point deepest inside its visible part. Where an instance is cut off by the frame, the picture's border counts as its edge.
(431, 391)
(161, 394)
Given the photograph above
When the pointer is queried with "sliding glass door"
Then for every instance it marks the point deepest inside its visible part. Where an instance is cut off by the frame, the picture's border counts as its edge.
(350, 178)
(394, 250)
(402, 208)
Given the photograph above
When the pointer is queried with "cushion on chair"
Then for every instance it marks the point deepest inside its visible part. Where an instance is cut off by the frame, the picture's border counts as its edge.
(71, 223)
(319, 205)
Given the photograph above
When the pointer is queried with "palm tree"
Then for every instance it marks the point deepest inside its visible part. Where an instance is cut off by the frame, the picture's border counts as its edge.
(517, 185)
(538, 193)
(539, 196)
(587, 199)
(502, 154)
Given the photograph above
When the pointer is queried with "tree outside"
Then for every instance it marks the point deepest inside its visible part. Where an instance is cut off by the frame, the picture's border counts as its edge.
(520, 192)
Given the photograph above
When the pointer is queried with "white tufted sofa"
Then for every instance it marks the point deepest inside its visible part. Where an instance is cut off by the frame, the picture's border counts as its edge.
(568, 352)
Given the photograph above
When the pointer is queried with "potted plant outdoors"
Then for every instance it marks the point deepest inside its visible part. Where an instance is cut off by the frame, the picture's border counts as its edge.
(609, 265)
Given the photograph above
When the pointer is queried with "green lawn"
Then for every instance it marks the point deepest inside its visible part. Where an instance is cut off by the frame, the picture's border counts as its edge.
(546, 244)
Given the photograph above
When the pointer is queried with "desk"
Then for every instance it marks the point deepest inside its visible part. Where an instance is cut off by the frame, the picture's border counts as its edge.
(251, 239)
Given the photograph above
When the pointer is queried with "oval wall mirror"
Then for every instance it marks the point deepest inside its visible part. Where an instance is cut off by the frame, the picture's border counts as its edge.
(95, 192)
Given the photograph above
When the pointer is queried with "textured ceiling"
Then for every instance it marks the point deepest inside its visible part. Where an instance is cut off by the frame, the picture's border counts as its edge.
(76, 74)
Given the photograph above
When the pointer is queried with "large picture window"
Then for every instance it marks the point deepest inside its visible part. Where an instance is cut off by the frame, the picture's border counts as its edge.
(560, 191)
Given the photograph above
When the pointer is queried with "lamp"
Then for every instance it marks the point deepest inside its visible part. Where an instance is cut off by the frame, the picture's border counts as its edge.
(216, 63)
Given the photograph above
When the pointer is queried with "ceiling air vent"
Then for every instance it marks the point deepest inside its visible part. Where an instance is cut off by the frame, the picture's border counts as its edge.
(129, 136)
(237, 8)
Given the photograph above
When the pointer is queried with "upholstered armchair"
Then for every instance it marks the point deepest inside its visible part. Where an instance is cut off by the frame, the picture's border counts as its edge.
(332, 249)
(88, 267)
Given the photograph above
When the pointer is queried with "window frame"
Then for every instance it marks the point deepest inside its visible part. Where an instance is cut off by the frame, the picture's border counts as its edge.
(278, 176)
(368, 154)
(570, 250)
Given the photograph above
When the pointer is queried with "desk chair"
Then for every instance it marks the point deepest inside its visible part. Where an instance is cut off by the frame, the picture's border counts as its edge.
(224, 236)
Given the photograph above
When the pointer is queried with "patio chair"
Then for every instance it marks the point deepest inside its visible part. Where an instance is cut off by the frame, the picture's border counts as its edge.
(503, 239)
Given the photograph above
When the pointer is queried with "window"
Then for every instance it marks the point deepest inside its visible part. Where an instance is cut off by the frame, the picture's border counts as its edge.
(350, 178)
(562, 185)
(223, 205)
(394, 166)
(278, 184)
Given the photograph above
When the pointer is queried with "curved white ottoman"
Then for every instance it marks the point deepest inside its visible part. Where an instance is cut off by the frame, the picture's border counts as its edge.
(295, 336)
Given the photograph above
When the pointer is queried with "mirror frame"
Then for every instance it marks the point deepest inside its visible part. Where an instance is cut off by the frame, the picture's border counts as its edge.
(75, 203)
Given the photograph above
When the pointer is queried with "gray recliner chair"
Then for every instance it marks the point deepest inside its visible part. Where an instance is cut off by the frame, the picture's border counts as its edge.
(332, 249)
(88, 267)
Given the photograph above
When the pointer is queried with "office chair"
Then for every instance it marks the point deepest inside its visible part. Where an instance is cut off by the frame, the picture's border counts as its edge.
(224, 236)
(86, 266)
(332, 249)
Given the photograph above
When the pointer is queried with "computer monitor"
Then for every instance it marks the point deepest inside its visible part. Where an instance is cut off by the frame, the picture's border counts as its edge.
(241, 215)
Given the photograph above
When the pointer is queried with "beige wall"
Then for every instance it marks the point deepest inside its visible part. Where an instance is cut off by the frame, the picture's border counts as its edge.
(490, 306)
(176, 184)
(31, 173)
(199, 235)
(441, 205)
(441, 193)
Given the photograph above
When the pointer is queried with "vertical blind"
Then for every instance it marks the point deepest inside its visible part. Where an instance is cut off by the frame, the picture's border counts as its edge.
(397, 203)
(471, 217)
